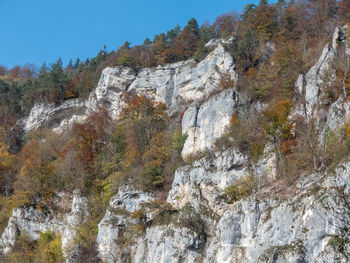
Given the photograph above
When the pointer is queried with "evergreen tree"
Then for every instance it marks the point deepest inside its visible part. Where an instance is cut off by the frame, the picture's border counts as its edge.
(43, 69)
(70, 65)
(192, 26)
(77, 63)
(147, 42)
(248, 10)
(173, 33)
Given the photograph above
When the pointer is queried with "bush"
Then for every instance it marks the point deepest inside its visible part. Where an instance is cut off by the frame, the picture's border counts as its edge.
(49, 247)
(154, 175)
(246, 133)
(242, 188)
(193, 221)
(339, 244)
(46, 249)
(164, 213)
(179, 140)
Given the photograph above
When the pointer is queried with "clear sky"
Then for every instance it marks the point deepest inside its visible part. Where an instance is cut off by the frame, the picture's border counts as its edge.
(42, 30)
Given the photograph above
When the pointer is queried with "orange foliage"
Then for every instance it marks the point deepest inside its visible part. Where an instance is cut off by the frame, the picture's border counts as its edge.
(92, 135)
(277, 115)
(226, 82)
(234, 119)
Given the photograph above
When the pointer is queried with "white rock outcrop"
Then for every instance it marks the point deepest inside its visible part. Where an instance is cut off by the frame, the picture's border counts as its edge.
(32, 222)
(177, 85)
(167, 244)
(310, 89)
(205, 123)
(50, 116)
(255, 229)
(295, 230)
(265, 227)
(174, 84)
(117, 220)
(209, 178)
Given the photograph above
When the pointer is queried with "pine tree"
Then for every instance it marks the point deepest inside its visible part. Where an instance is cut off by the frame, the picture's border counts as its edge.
(77, 63)
(70, 65)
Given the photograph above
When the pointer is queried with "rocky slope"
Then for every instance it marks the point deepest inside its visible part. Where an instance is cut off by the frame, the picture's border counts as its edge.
(34, 221)
(177, 85)
(201, 226)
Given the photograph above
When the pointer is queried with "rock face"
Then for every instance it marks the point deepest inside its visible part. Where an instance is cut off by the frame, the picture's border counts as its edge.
(32, 222)
(252, 230)
(174, 84)
(311, 89)
(183, 82)
(206, 123)
(29, 221)
(209, 178)
(157, 244)
(167, 244)
(297, 230)
(201, 226)
(55, 118)
(78, 214)
(117, 220)
(177, 85)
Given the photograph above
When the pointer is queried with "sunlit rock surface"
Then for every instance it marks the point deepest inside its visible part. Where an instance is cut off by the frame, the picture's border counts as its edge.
(266, 227)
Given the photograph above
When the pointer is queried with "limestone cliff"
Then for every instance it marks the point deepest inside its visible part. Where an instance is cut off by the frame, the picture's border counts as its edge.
(202, 227)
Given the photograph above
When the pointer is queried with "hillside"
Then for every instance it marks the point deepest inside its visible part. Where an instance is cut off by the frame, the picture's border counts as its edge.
(221, 143)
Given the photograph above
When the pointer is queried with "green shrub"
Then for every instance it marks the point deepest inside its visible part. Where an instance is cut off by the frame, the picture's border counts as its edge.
(338, 243)
(242, 188)
(179, 140)
(164, 213)
(154, 175)
(49, 247)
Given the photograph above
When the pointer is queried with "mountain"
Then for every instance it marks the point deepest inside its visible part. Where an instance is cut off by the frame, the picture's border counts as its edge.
(195, 223)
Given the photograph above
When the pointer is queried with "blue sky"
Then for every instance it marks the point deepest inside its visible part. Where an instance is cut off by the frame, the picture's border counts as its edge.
(44, 30)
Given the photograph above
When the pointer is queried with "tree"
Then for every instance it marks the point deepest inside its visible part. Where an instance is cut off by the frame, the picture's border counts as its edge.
(29, 71)
(43, 69)
(322, 12)
(248, 11)
(147, 42)
(124, 56)
(344, 10)
(173, 33)
(145, 117)
(92, 136)
(265, 21)
(140, 121)
(263, 2)
(15, 72)
(6, 163)
(187, 42)
(159, 45)
(155, 158)
(77, 63)
(278, 127)
(58, 81)
(226, 24)
(3, 71)
(70, 65)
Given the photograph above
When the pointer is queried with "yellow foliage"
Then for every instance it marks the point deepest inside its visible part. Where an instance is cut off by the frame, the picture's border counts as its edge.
(5, 158)
(277, 114)
(348, 131)
(49, 247)
(138, 229)
(157, 153)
